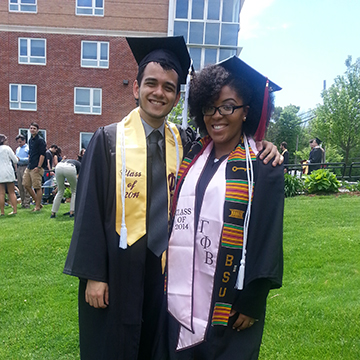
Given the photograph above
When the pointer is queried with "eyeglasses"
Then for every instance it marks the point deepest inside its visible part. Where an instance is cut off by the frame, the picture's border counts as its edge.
(223, 109)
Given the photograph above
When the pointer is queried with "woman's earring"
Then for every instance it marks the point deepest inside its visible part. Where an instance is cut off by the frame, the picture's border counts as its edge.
(244, 119)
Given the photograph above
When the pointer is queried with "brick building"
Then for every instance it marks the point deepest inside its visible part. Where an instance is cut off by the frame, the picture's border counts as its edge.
(66, 64)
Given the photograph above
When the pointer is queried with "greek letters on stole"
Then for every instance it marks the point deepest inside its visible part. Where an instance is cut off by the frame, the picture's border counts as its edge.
(215, 246)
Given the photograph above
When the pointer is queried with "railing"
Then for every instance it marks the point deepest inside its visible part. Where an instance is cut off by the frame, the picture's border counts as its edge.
(340, 169)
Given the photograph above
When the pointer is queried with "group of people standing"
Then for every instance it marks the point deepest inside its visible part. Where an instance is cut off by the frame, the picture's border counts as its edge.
(34, 165)
(219, 199)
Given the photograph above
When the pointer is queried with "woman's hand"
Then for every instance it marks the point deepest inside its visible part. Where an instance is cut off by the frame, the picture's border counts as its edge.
(243, 321)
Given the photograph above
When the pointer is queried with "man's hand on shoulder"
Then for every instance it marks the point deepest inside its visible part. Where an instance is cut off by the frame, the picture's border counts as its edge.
(270, 151)
(97, 294)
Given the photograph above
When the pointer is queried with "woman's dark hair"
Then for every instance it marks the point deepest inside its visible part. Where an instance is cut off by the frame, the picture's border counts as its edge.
(205, 89)
(3, 138)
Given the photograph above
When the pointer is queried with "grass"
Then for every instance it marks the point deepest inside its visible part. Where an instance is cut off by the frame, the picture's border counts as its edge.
(38, 305)
(315, 315)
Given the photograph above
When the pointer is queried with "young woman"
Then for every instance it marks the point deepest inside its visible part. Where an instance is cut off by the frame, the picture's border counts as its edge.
(7, 175)
(225, 249)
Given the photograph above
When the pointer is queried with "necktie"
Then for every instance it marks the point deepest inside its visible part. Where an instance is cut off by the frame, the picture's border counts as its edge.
(158, 210)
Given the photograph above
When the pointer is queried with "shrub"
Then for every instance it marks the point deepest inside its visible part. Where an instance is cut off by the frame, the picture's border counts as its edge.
(67, 193)
(293, 185)
(321, 181)
(351, 186)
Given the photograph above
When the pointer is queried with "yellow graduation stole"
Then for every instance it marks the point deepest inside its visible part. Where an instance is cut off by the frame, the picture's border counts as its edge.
(131, 130)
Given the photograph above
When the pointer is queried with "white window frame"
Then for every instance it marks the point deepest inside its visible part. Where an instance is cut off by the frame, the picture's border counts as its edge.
(19, 6)
(91, 106)
(22, 104)
(26, 132)
(93, 8)
(81, 135)
(98, 61)
(188, 20)
(29, 57)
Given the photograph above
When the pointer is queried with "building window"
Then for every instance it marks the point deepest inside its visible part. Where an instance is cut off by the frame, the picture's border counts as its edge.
(90, 7)
(95, 54)
(27, 134)
(32, 51)
(87, 101)
(85, 138)
(23, 5)
(210, 28)
(23, 97)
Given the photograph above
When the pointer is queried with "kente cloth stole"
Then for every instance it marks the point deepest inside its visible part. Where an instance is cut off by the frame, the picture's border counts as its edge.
(211, 252)
(136, 173)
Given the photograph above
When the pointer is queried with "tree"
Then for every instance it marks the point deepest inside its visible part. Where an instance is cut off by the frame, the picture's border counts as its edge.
(337, 121)
(285, 126)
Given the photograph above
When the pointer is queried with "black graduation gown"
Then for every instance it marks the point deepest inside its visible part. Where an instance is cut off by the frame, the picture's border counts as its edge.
(316, 156)
(264, 262)
(94, 253)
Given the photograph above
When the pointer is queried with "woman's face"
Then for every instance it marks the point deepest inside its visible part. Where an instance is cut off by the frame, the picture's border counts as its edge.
(226, 130)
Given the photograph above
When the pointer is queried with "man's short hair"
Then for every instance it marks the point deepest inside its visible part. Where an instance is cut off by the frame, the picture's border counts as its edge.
(284, 144)
(53, 146)
(35, 124)
(20, 136)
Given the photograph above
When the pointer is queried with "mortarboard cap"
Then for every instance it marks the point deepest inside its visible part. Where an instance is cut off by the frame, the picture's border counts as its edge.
(261, 87)
(171, 51)
(318, 141)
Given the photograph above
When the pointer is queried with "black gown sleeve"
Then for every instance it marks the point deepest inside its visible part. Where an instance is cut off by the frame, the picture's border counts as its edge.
(188, 137)
(264, 255)
(87, 257)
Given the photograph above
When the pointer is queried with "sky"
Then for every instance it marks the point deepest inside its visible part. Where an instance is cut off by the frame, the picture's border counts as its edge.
(299, 44)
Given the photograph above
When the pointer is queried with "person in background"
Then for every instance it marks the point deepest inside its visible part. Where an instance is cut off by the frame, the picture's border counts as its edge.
(58, 157)
(33, 174)
(49, 157)
(316, 155)
(67, 169)
(81, 154)
(22, 153)
(285, 154)
(225, 247)
(8, 161)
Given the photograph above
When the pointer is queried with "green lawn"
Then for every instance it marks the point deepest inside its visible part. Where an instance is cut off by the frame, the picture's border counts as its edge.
(316, 315)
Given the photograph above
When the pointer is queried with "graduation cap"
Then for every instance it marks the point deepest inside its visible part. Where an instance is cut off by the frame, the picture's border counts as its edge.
(318, 141)
(259, 112)
(171, 51)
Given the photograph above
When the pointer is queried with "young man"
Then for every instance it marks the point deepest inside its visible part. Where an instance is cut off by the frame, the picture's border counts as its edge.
(49, 157)
(316, 155)
(34, 172)
(22, 153)
(119, 192)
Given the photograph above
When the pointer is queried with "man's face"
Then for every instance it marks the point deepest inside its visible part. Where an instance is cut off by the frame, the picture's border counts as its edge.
(53, 150)
(282, 148)
(20, 142)
(156, 93)
(33, 130)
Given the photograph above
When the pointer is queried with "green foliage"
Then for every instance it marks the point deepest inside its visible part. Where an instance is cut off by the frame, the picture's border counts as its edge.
(293, 185)
(285, 126)
(321, 181)
(351, 186)
(175, 115)
(67, 193)
(337, 121)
